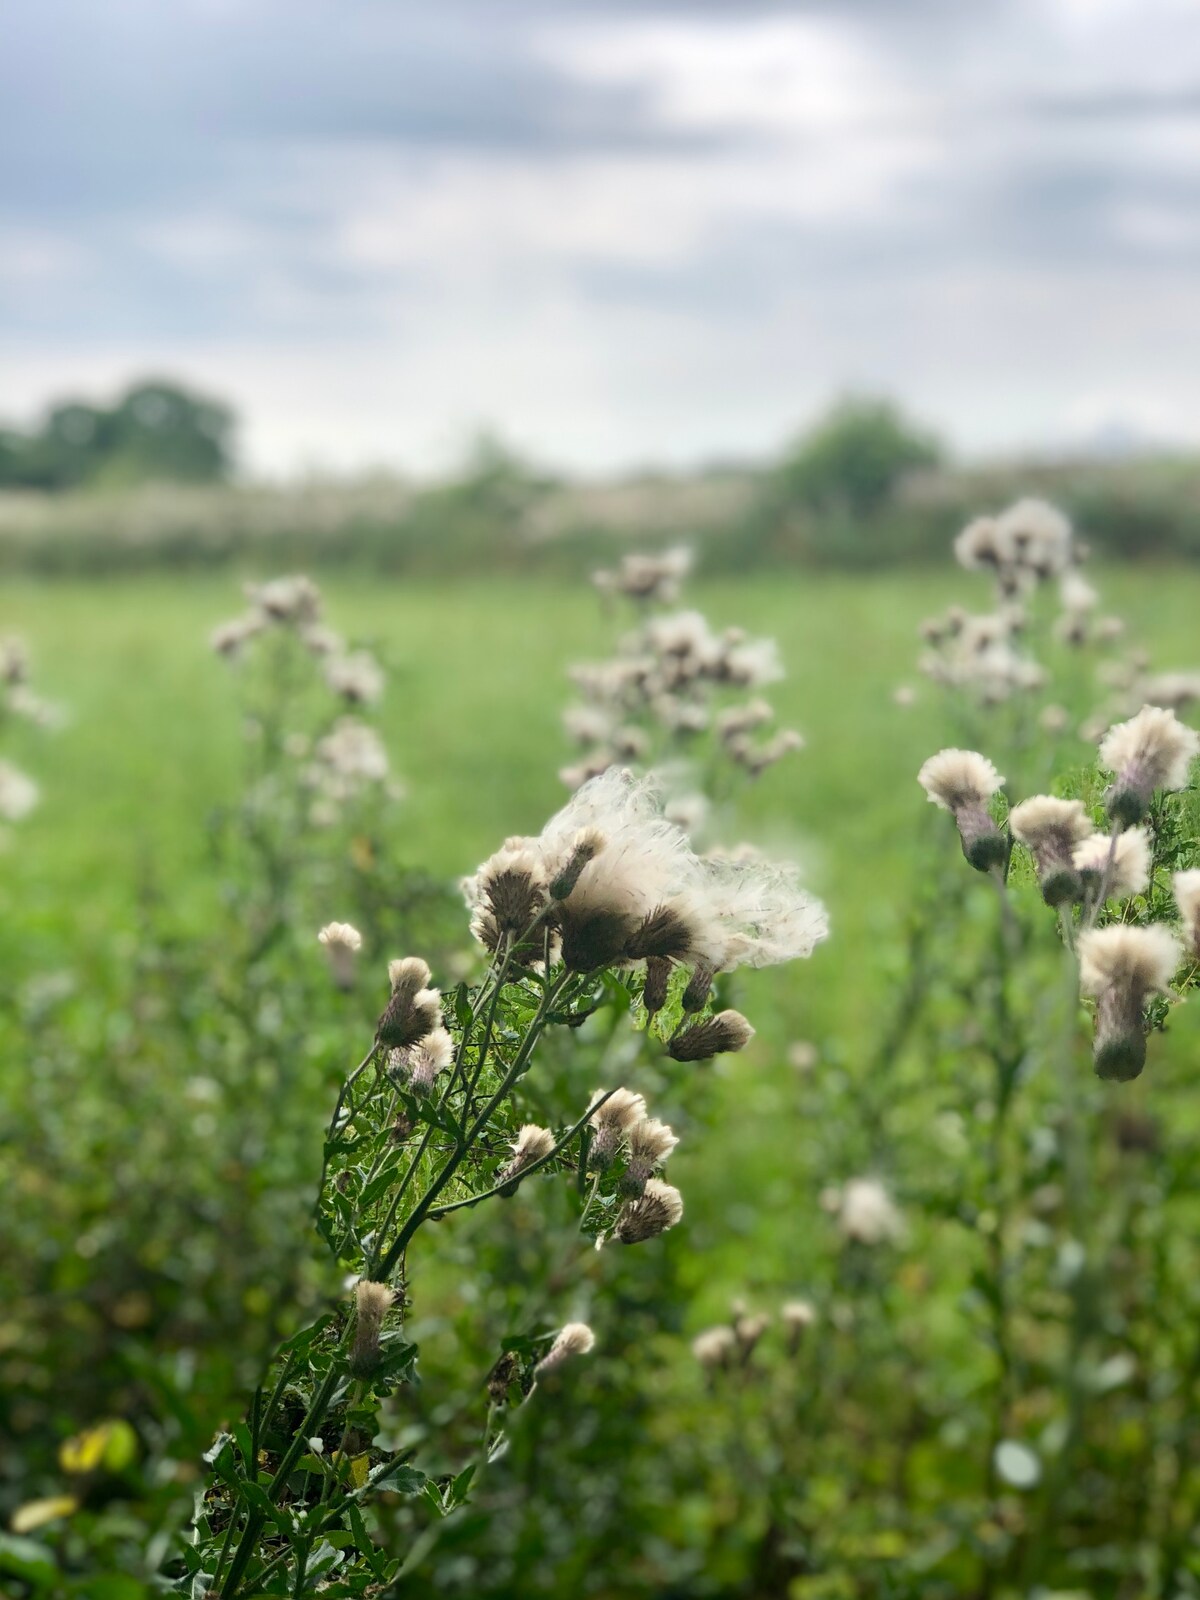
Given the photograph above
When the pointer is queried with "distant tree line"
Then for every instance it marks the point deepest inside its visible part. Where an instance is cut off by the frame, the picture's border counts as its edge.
(155, 430)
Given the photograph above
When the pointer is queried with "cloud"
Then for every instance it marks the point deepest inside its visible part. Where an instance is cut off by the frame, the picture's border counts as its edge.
(619, 231)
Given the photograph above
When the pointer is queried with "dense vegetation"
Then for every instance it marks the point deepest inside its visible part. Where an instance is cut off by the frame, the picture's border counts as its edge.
(991, 1384)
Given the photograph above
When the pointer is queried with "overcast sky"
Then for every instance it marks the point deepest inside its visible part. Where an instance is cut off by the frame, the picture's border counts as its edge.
(619, 232)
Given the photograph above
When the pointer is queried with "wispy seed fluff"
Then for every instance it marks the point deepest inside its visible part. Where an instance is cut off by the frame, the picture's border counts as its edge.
(1052, 828)
(417, 1065)
(961, 782)
(1186, 886)
(342, 943)
(372, 1302)
(1129, 871)
(531, 1144)
(610, 1122)
(1153, 750)
(575, 1339)
(722, 1034)
(797, 1317)
(649, 1143)
(656, 1209)
(1119, 967)
(414, 1009)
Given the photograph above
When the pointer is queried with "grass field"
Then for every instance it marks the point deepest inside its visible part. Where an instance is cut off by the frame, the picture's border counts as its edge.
(476, 683)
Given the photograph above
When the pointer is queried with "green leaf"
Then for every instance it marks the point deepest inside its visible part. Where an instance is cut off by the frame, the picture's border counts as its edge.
(27, 1559)
(398, 1477)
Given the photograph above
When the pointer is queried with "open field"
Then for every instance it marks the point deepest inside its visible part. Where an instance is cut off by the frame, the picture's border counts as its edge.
(476, 682)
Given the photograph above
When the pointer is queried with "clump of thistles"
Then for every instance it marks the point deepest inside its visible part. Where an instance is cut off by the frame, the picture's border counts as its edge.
(575, 1339)
(1052, 828)
(657, 1208)
(1186, 887)
(342, 942)
(1120, 967)
(372, 1301)
(962, 782)
(1153, 750)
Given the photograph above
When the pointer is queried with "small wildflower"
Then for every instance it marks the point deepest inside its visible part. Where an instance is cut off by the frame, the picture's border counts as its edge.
(372, 1303)
(1153, 750)
(1127, 863)
(575, 1339)
(1119, 967)
(961, 782)
(1052, 828)
(649, 1143)
(1186, 887)
(358, 677)
(1037, 535)
(657, 1208)
(867, 1213)
(722, 1034)
(748, 1330)
(802, 1055)
(531, 1144)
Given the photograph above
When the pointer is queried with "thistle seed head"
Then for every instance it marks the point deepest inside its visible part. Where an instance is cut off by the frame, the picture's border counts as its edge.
(722, 1034)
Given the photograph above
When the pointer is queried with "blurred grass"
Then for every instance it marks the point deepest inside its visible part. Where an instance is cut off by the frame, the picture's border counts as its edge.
(471, 716)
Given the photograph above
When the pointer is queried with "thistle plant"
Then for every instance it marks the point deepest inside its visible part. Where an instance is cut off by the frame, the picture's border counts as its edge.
(430, 1124)
(19, 793)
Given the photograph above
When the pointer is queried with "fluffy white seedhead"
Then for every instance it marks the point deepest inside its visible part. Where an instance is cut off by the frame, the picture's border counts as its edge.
(867, 1213)
(657, 1208)
(649, 1143)
(1075, 592)
(1141, 960)
(358, 677)
(982, 545)
(715, 1347)
(1186, 886)
(797, 1315)
(1129, 872)
(956, 778)
(1038, 536)
(1178, 691)
(18, 793)
(748, 912)
(353, 753)
(1153, 750)
(575, 1339)
(531, 1144)
(341, 935)
(1046, 819)
(294, 599)
(620, 1111)
(409, 973)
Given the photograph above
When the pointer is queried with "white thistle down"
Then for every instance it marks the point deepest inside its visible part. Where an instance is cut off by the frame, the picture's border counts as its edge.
(867, 1214)
(1120, 967)
(962, 782)
(648, 1143)
(342, 942)
(1152, 751)
(1051, 829)
(1127, 864)
(18, 793)
(715, 1347)
(531, 1144)
(610, 1121)
(575, 1339)
(1186, 888)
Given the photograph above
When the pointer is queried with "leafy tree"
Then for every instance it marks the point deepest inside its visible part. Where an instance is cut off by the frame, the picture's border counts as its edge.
(854, 459)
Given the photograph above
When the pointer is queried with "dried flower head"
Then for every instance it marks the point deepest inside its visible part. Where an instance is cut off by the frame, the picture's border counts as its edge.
(797, 1317)
(981, 546)
(18, 793)
(295, 599)
(867, 1213)
(748, 1329)
(715, 1347)
(1037, 535)
(413, 1010)
(1153, 750)
(531, 1144)
(657, 1208)
(418, 1064)
(611, 1121)
(1121, 867)
(649, 1142)
(507, 894)
(342, 943)
(575, 1339)
(961, 782)
(1119, 967)
(1186, 887)
(722, 1034)
(358, 677)
(1051, 828)
(372, 1302)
